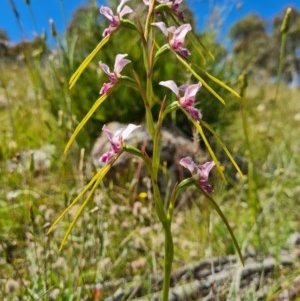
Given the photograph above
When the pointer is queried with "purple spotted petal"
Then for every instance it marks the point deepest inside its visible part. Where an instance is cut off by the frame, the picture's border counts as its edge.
(199, 172)
(105, 68)
(105, 87)
(205, 169)
(106, 156)
(195, 113)
(178, 38)
(108, 13)
(189, 95)
(188, 163)
(187, 101)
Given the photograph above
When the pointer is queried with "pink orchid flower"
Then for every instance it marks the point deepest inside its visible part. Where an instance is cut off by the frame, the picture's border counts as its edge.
(116, 140)
(120, 63)
(187, 101)
(199, 172)
(173, 4)
(114, 20)
(177, 40)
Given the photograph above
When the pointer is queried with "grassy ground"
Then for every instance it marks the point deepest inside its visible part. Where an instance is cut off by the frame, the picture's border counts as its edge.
(116, 238)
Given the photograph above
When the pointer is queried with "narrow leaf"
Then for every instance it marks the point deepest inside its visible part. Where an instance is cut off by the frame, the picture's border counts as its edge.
(204, 83)
(100, 174)
(86, 61)
(100, 177)
(221, 143)
(97, 103)
(185, 184)
(198, 49)
(219, 82)
(224, 219)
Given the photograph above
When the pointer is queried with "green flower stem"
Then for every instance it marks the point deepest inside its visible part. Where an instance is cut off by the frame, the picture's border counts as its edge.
(167, 218)
(284, 31)
(157, 197)
(252, 175)
(168, 261)
(155, 134)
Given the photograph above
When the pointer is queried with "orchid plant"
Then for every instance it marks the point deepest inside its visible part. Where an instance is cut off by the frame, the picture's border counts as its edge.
(176, 36)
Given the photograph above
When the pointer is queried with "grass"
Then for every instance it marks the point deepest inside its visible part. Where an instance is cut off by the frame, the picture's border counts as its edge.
(97, 250)
(117, 241)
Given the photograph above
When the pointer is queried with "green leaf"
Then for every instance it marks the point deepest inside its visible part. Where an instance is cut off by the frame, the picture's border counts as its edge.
(219, 82)
(221, 143)
(99, 175)
(162, 50)
(200, 79)
(129, 24)
(86, 61)
(224, 219)
(191, 181)
(97, 103)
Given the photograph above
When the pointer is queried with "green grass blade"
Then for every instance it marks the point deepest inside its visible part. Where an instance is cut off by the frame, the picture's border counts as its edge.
(185, 184)
(86, 61)
(224, 219)
(197, 49)
(209, 53)
(219, 82)
(97, 103)
(200, 79)
(221, 143)
(99, 174)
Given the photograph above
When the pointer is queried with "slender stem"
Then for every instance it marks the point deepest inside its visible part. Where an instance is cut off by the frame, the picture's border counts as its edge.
(148, 52)
(252, 175)
(284, 30)
(168, 261)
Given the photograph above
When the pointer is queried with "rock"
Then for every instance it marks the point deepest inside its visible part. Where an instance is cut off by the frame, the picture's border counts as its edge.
(40, 159)
(294, 239)
(3, 102)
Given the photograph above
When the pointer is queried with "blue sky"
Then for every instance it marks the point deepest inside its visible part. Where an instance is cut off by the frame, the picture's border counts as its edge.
(230, 11)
